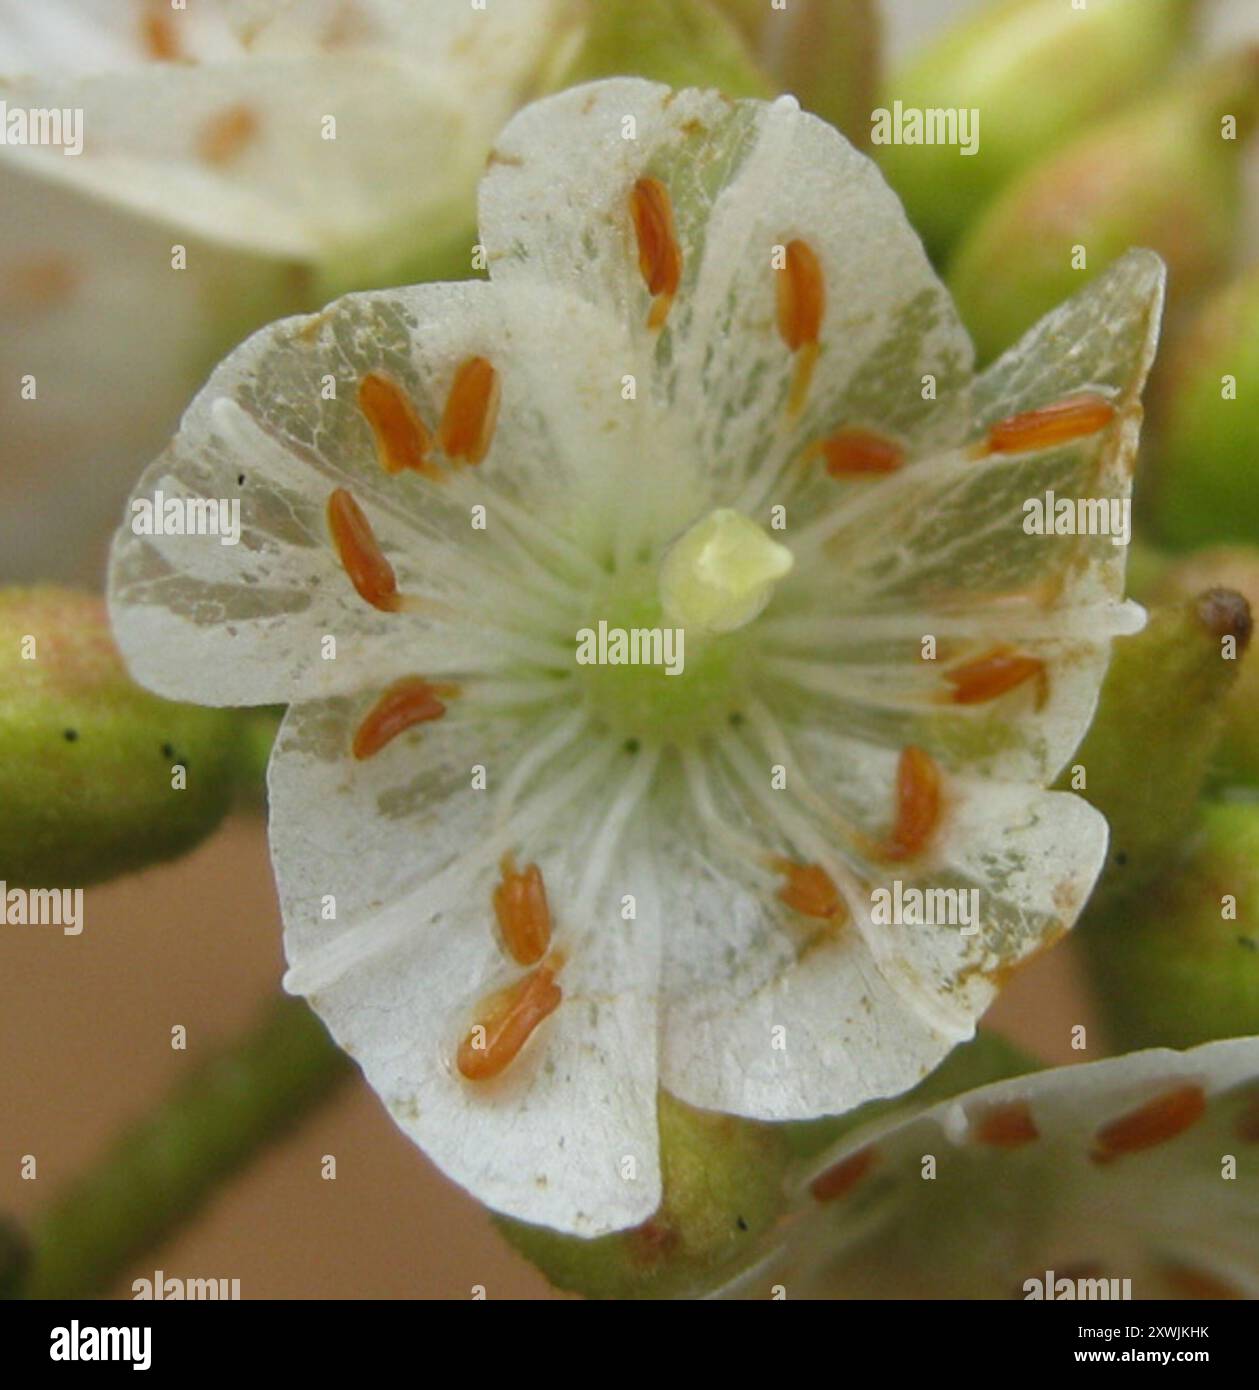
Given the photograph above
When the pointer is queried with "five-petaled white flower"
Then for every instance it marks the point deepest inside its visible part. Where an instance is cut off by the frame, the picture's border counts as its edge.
(238, 160)
(1048, 1186)
(712, 384)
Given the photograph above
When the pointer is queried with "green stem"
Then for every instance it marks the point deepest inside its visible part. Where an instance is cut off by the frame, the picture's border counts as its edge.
(159, 1173)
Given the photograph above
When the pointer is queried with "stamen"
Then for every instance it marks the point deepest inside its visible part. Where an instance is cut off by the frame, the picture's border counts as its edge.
(659, 255)
(467, 427)
(158, 37)
(801, 308)
(408, 702)
(917, 805)
(402, 439)
(360, 553)
(1162, 1119)
(997, 673)
(506, 1021)
(852, 452)
(523, 915)
(1073, 418)
(840, 1180)
(810, 890)
(225, 135)
(1007, 1126)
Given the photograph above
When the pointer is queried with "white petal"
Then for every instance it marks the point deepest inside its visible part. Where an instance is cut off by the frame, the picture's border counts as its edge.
(744, 178)
(867, 1009)
(410, 853)
(240, 152)
(942, 550)
(117, 343)
(1164, 1215)
(248, 621)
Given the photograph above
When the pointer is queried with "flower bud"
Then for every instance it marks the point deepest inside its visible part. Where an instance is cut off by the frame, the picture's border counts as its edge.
(1179, 965)
(1160, 716)
(1163, 175)
(723, 1187)
(1036, 71)
(1236, 567)
(684, 43)
(825, 52)
(97, 777)
(1206, 485)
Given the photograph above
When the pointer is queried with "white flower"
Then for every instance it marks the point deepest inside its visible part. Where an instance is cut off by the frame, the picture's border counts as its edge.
(639, 371)
(207, 128)
(1138, 1168)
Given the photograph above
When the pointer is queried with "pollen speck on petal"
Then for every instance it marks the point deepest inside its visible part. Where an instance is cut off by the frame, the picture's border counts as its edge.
(505, 1022)
(471, 414)
(360, 553)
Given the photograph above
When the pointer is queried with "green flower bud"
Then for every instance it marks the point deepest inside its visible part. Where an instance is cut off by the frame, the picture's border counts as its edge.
(1206, 486)
(825, 52)
(1160, 716)
(684, 43)
(1036, 71)
(1162, 175)
(1237, 757)
(723, 1187)
(89, 780)
(1180, 966)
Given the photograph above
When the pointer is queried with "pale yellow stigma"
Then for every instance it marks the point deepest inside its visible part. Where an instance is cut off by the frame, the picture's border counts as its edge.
(721, 574)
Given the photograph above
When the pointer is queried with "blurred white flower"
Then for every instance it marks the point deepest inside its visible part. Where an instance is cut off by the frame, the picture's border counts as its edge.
(1140, 1168)
(712, 384)
(293, 148)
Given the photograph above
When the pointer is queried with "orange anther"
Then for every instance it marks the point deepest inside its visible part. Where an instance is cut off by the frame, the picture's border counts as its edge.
(402, 439)
(467, 427)
(157, 34)
(659, 255)
(408, 702)
(523, 915)
(1060, 423)
(849, 452)
(225, 135)
(1007, 1126)
(810, 890)
(801, 308)
(506, 1022)
(1160, 1120)
(360, 553)
(840, 1180)
(917, 805)
(994, 674)
(801, 296)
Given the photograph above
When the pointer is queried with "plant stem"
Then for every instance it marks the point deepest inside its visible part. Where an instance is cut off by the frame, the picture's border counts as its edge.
(159, 1173)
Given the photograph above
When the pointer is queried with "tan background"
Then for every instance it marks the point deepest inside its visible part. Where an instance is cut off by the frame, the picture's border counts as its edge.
(85, 1043)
